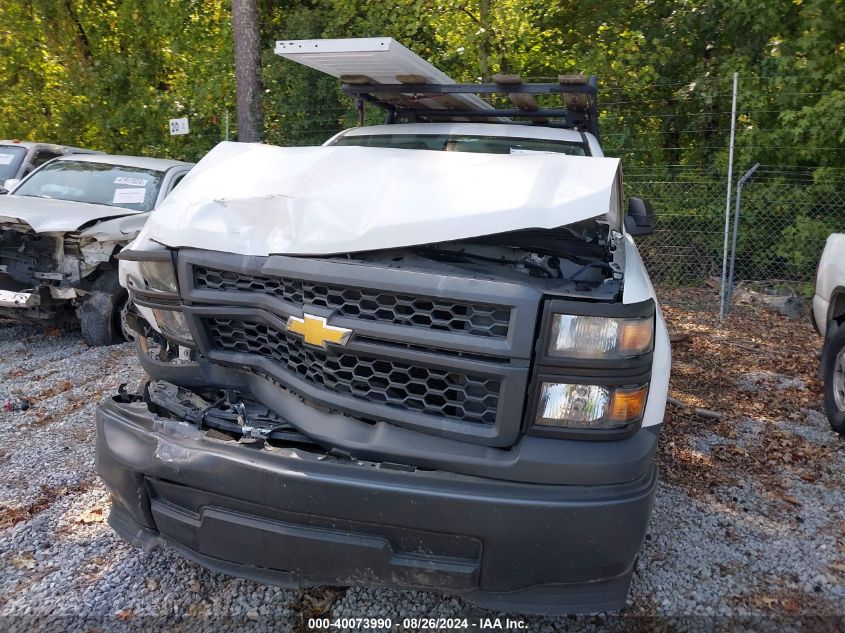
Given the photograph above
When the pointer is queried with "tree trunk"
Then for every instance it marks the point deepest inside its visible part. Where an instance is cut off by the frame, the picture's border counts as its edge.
(82, 42)
(248, 70)
(484, 23)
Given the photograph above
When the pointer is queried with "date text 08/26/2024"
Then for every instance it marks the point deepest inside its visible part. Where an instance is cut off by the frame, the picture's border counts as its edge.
(417, 624)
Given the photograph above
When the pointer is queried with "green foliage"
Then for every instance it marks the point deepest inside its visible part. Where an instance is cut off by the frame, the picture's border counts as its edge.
(802, 242)
(108, 74)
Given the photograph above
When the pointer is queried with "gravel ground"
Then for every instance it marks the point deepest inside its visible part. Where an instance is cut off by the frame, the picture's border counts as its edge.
(748, 528)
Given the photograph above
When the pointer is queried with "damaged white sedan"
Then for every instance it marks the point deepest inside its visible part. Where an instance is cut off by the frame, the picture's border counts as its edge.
(60, 230)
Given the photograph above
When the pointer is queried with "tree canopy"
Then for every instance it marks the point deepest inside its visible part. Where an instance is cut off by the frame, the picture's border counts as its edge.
(108, 74)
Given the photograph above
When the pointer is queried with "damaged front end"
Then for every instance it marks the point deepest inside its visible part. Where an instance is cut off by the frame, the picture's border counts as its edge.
(233, 485)
(46, 276)
(431, 371)
(490, 288)
(368, 418)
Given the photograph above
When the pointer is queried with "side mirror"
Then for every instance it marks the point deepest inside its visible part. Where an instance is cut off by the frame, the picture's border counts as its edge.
(640, 219)
(3, 190)
(10, 184)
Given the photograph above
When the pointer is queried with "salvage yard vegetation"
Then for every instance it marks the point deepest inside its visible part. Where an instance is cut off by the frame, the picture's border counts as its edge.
(748, 519)
(110, 75)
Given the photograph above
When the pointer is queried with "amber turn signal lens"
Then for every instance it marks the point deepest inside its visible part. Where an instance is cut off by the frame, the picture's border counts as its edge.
(627, 405)
(635, 336)
(580, 336)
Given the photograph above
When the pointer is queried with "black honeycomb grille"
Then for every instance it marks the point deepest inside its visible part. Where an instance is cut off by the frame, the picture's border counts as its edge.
(431, 391)
(371, 305)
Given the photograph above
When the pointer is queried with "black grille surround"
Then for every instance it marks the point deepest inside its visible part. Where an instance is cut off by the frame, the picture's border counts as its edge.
(453, 382)
(365, 303)
(429, 390)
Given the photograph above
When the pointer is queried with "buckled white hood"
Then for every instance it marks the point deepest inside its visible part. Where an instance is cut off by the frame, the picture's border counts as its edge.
(255, 199)
(46, 215)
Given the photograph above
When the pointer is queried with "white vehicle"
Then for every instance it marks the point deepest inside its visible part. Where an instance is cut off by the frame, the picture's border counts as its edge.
(434, 341)
(829, 320)
(60, 230)
(19, 158)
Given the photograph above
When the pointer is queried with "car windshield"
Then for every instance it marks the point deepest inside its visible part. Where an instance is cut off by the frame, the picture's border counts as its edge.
(97, 183)
(466, 143)
(11, 157)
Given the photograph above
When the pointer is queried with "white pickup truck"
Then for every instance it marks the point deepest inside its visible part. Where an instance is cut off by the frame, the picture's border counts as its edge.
(829, 320)
(424, 355)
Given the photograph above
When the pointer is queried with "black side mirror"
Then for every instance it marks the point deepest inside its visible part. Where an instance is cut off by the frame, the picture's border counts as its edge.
(640, 219)
(3, 191)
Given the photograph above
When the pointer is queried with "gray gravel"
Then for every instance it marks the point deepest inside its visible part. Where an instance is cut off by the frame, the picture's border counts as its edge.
(755, 381)
(744, 550)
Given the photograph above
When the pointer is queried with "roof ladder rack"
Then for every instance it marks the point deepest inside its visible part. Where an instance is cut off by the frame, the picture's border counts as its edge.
(383, 72)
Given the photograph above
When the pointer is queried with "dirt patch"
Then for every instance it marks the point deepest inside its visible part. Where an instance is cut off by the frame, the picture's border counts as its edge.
(46, 497)
(17, 373)
(756, 365)
(65, 385)
(312, 603)
(787, 602)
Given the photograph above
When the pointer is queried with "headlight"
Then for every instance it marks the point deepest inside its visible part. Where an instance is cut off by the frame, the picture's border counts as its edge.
(589, 406)
(578, 336)
(152, 285)
(172, 324)
(158, 275)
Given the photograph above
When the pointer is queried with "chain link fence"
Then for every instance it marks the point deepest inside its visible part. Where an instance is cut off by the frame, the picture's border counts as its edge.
(785, 218)
(689, 208)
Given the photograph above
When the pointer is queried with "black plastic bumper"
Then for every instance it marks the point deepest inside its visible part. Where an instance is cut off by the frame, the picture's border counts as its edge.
(293, 517)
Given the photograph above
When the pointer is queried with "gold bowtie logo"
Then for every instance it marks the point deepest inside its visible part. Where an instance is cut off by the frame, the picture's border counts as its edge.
(315, 331)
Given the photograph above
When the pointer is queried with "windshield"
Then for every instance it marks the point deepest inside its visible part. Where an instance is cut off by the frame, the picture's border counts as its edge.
(466, 143)
(97, 183)
(11, 157)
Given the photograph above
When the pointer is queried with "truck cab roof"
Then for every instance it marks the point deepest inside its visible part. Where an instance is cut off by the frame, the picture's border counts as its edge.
(451, 134)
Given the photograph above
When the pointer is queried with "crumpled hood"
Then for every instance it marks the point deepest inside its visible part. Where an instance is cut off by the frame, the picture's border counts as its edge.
(46, 215)
(255, 199)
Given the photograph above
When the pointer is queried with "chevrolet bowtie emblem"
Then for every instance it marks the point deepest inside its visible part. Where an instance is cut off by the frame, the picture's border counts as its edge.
(315, 331)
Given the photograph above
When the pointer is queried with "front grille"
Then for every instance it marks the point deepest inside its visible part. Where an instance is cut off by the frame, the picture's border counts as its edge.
(371, 305)
(431, 391)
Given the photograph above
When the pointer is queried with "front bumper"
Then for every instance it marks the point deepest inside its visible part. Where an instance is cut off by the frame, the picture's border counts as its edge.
(300, 518)
(14, 299)
(37, 304)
